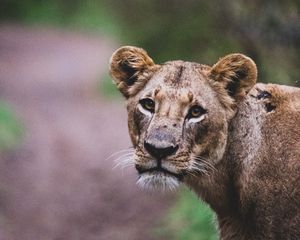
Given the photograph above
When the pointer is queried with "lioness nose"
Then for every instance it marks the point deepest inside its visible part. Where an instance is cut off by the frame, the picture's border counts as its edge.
(160, 153)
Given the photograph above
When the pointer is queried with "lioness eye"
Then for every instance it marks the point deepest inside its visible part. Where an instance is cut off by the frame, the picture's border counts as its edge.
(196, 111)
(148, 104)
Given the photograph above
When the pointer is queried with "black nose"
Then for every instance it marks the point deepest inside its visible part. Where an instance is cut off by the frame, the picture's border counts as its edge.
(160, 153)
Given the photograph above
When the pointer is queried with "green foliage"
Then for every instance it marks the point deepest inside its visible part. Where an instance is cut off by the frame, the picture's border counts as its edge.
(10, 129)
(96, 16)
(192, 30)
(189, 219)
(107, 88)
(204, 30)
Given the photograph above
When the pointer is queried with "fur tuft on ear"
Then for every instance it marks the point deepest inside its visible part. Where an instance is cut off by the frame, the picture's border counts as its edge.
(233, 76)
(127, 66)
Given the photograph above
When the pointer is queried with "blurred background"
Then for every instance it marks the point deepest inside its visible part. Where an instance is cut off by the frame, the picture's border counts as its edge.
(63, 125)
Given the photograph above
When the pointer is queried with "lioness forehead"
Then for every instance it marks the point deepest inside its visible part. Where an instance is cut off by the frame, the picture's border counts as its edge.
(180, 80)
(181, 74)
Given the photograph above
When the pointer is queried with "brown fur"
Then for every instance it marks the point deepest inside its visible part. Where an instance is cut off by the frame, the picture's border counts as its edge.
(241, 155)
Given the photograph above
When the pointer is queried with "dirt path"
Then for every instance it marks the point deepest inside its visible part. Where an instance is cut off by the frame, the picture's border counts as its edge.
(58, 184)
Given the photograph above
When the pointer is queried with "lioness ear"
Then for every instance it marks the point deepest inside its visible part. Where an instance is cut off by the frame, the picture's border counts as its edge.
(127, 64)
(236, 73)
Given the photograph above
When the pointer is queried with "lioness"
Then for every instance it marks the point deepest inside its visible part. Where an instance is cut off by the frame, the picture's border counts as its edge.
(236, 144)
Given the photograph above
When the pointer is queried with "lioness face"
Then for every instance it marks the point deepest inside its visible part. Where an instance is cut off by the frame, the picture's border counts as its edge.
(178, 112)
(178, 124)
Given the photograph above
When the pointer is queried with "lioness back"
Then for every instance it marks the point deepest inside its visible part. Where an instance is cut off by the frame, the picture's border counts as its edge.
(234, 142)
(267, 147)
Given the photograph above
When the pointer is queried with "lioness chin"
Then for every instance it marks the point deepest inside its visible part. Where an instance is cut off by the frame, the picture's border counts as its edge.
(234, 142)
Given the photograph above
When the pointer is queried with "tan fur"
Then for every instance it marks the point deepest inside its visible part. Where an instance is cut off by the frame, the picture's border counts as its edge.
(241, 154)
(135, 64)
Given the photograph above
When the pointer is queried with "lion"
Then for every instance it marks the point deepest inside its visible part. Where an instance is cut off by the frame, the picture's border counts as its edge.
(234, 142)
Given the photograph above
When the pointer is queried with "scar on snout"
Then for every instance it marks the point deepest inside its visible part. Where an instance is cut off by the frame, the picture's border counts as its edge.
(156, 91)
(190, 96)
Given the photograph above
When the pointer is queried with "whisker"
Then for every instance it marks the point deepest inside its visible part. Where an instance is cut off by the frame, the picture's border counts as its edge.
(202, 169)
(191, 173)
(206, 162)
(201, 165)
(124, 155)
(119, 152)
(125, 164)
(124, 161)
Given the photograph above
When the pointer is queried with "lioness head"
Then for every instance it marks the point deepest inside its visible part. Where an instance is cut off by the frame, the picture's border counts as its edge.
(178, 112)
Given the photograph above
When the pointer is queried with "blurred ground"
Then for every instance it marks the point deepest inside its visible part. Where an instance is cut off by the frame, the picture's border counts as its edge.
(58, 184)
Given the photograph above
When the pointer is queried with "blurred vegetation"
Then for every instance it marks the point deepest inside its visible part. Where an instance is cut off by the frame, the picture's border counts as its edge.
(189, 219)
(195, 30)
(10, 129)
(108, 89)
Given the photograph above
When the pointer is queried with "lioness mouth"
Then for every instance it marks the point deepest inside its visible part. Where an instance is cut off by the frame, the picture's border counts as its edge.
(159, 170)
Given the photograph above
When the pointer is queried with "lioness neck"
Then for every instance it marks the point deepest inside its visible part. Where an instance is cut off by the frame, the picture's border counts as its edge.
(222, 188)
(220, 191)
